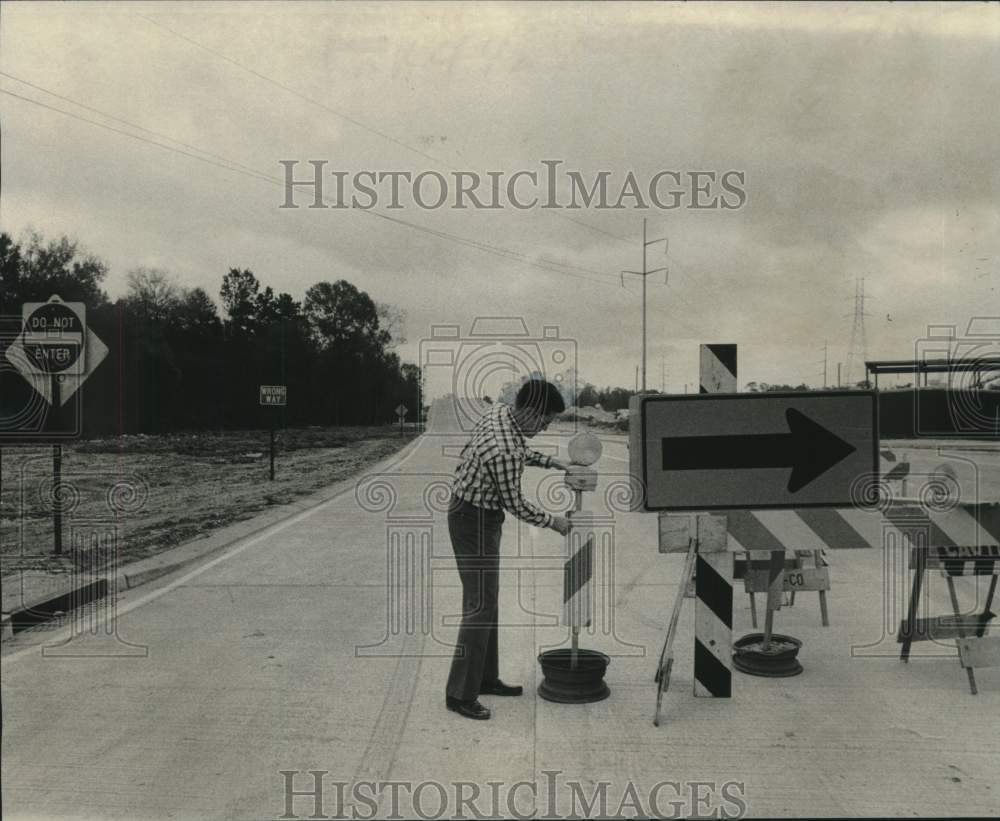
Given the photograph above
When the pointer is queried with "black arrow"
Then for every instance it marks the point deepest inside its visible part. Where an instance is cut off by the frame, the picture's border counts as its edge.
(808, 449)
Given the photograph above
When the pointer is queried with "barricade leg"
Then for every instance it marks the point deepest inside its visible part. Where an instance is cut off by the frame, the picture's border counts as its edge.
(911, 612)
(961, 631)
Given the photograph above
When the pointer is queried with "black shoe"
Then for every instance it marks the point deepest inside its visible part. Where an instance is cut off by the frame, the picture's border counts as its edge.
(498, 688)
(469, 709)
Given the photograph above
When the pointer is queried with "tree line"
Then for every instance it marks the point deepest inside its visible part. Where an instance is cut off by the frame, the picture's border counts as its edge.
(176, 364)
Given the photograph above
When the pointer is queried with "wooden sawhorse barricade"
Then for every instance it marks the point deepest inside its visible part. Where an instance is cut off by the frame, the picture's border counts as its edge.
(798, 577)
(975, 648)
(964, 538)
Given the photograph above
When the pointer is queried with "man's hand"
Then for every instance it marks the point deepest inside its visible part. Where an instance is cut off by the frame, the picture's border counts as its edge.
(580, 477)
(558, 464)
(560, 524)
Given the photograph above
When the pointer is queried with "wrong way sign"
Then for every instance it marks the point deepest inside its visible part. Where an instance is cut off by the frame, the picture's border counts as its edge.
(753, 451)
(274, 395)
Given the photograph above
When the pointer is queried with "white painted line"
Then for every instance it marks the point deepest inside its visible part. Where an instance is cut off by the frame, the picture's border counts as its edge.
(65, 632)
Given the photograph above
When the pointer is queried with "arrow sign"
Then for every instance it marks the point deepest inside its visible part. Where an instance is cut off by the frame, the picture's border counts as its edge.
(808, 449)
(753, 451)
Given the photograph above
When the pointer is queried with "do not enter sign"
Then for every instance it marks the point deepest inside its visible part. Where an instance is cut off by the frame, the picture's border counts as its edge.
(54, 334)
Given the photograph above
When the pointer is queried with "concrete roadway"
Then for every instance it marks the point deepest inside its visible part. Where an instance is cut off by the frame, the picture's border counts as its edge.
(252, 666)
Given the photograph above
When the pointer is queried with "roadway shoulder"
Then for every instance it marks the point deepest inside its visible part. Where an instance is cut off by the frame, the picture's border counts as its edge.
(37, 594)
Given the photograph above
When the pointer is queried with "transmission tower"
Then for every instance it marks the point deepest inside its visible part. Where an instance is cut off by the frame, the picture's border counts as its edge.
(857, 353)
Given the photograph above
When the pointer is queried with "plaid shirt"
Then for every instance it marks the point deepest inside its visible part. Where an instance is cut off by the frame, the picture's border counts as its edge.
(492, 463)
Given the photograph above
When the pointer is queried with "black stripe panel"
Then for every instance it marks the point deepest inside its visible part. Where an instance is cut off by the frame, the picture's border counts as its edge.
(832, 528)
(775, 567)
(726, 354)
(578, 570)
(746, 528)
(711, 673)
(900, 471)
(985, 567)
(988, 518)
(714, 591)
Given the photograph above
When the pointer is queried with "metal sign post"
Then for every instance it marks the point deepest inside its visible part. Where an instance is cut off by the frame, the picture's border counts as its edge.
(273, 396)
(54, 341)
(401, 411)
(56, 478)
(54, 352)
(577, 677)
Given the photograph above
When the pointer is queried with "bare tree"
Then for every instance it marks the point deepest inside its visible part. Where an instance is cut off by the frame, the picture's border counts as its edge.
(391, 319)
(152, 293)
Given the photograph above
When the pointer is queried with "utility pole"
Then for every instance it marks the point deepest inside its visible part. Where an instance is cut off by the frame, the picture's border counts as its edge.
(663, 376)
(838, 374)
(824, 362)
(858, 349)
(636, 378)
(645, 272)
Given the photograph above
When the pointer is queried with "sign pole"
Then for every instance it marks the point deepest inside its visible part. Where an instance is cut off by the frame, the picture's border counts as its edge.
(272, 450)
(273, 396)
(582, 680)
(56, 479)
(575, 640)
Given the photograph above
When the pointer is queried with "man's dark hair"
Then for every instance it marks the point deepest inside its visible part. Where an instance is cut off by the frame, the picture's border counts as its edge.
(541, 396)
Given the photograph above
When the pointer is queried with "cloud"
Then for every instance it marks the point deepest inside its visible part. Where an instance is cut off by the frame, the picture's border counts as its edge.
(867, 134)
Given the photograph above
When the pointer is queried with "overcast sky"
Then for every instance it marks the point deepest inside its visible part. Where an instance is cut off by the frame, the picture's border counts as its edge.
(867, 134)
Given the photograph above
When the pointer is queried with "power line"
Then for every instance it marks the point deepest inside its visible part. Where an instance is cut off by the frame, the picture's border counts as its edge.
(129, 124)
(347, 117)
(595, 228)
(134, 136)
(289, 89)
(230, 165)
